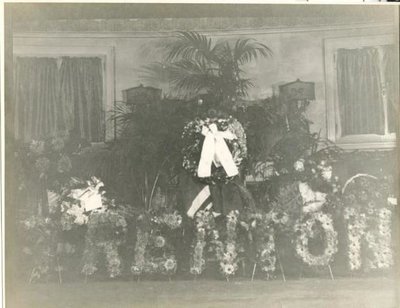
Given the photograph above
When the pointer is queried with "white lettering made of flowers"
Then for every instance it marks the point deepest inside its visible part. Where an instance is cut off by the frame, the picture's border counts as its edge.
(154, 252)
(367, 246)
(226, 253)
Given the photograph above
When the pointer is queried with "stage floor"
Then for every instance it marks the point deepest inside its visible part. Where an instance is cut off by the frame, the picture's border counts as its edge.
(309, 293)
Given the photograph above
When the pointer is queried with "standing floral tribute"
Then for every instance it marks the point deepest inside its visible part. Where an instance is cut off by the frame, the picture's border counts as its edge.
(303, 210)
(213, 149)
(86, 204)
(40, 236)
(154, 252)
(42, 164)
(368, 216)
(45, 159)
(48, 236)
(261, 231)
(76, 201)
(105, 234)
(226, 252)
(307, 229)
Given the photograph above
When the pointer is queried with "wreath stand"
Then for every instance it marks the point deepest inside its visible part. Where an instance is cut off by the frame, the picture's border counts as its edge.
(328, 266)
(280, 268)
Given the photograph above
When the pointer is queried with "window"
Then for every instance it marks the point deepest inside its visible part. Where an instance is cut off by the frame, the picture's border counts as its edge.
(361, 91)
(63, 92)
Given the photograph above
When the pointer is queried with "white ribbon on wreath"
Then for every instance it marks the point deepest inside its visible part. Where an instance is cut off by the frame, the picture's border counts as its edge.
(215, 150)
(312, 200)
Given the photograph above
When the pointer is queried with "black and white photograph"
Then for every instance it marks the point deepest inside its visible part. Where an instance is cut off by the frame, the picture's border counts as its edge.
(201, 155)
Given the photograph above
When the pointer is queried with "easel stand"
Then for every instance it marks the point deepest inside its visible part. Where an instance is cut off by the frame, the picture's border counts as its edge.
(330, 272)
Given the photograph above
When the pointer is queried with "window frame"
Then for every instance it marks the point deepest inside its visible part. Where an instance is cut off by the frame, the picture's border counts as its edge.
(351, 142)
(106, 53)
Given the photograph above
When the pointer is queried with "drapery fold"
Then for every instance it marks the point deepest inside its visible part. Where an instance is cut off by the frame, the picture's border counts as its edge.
(37, 110)
(53, 99)
(359, 92)
(81, 89)
(391, 68)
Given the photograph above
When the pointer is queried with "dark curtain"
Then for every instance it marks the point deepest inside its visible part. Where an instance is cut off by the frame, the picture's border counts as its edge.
(391, 67)
(359, 91)
(53, 100)
(38, 112)
(81, 89)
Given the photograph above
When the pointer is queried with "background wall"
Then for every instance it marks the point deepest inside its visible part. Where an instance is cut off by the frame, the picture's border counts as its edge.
(297, 43)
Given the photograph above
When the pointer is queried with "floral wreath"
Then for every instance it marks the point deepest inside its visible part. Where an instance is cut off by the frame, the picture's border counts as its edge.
(193, 141)
(306, 231)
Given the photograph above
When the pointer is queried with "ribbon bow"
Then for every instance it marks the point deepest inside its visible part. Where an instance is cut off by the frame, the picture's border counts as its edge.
(90, 197)
(215, 150)
(312, 200)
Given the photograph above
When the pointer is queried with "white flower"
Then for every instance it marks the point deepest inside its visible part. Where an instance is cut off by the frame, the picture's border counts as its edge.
(170, 264)
(159, 241)
(327, 173)
(228, 269)
(75, 210)
(81, 219)
(29, 224)
(284, 219)
(195, 270)
(392, 201)
(135, 270)
(37, 147)
(299, 165)
(230, 248)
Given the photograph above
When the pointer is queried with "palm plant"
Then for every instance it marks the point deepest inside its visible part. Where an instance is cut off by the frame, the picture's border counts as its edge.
(195, 64)
(146, 155)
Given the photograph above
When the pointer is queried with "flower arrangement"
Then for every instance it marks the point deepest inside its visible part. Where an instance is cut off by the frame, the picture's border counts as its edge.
(49, 235)
(307, 229)
(106, 232)
(307, 201)
(228, 130)
(41, 238)
(226, 252)
(262, 228)
(315, 171)
(171, 220)
(368, 216)
(380, 242)
(46, 158)
(42, 164)
(204, 223)
(286, 208)
(76, 201)
(142, 239)
(356, 226)
(153, 250)
(72, 215)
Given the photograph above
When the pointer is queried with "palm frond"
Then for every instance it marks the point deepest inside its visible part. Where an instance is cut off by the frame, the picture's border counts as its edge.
(194, 64)
(244, 86)
(191, 77)
(157, 72)
(191, 45)
(122, 115)
(223, 52)
(247, 50)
